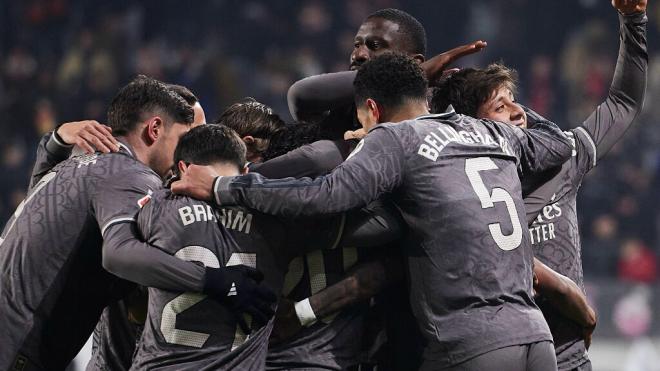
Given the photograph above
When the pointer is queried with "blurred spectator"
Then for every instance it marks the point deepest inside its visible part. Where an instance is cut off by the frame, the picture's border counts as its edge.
(601, 251)
(637, 263)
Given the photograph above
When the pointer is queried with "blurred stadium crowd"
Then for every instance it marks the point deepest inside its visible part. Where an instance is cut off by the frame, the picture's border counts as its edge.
(62, 60)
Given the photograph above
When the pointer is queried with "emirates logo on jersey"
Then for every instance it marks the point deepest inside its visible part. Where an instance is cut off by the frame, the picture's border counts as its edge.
(145, 200)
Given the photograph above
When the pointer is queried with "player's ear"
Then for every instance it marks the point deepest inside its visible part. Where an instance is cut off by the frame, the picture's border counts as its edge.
(418, 58)
(245, 169)
(374, 109)
(154, 129)
(248, 139)
(182, 167)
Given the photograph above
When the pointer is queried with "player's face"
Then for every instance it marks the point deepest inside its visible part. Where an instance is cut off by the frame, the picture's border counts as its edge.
(375, 37)
(200, 117)
(501, 106)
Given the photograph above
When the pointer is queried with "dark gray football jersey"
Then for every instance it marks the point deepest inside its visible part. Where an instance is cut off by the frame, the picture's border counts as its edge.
(455, 181)
(554, 234)
(190, 331)
(334, 342)
(52, 284)
(115, 339)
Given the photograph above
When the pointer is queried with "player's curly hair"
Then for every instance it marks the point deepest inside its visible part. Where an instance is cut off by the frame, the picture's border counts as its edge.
(390, 79)
(294, 135)
(210, 144)
(409, 26)
(142, 96)
(469, 88)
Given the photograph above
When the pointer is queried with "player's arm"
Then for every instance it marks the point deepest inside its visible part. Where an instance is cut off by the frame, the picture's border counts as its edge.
(361, 283)
(374, 168)
(607, 124)
(565, 296)
(125, 253)
(311, 160)
(56, 146)
(310, 97)
(539, 148)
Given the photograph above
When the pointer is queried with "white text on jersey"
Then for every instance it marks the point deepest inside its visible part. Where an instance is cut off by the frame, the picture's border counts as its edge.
(236, 220)
(196, 213)
(435, 142)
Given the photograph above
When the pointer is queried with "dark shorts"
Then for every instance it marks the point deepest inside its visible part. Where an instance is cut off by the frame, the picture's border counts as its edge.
(528, 357)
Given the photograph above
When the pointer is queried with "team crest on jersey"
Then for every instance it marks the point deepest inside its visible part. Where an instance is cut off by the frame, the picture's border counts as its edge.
(145, 200)
(87, 160)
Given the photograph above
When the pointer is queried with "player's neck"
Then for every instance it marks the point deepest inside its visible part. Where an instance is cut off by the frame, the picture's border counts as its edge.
(225, 169)
(138, 148)
(408, 112)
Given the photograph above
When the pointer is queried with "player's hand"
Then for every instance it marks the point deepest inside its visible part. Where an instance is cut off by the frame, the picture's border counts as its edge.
(355, 134)
(287, 323)
(240, 288)
(88, 135)
(629, 6)
(435, 66)
(196, 181)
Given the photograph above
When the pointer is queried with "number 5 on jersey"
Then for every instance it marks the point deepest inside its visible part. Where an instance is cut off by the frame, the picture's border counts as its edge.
(472, 168)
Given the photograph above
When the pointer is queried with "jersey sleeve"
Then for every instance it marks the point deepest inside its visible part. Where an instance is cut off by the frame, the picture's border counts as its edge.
(375, 167)
(127, 256)
(607, 124)
(539, 148)
(50, 152)
(129, 252)
(312, 96)
(311, 160)
(375, 225)
(116, 197)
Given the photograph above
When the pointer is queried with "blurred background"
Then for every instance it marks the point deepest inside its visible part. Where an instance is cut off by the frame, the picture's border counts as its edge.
(63, 60)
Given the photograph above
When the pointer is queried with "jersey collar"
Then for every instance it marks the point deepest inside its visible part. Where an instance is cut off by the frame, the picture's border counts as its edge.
(448, 112)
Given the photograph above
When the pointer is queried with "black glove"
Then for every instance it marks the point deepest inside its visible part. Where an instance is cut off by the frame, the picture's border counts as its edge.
(238, 287)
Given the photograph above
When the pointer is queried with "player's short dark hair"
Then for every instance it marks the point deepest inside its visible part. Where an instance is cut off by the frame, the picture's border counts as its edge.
(390, 79)
(469, 88)
(253, 118)
(185, 93)
(409, 26)
(210, 144)
(293, 135)
(146, 95)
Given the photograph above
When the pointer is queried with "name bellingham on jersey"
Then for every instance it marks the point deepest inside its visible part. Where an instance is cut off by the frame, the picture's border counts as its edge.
(442, 136)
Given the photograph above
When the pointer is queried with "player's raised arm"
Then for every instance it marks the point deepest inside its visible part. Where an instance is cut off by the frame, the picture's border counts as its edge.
(607, 124)
(312, 96)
